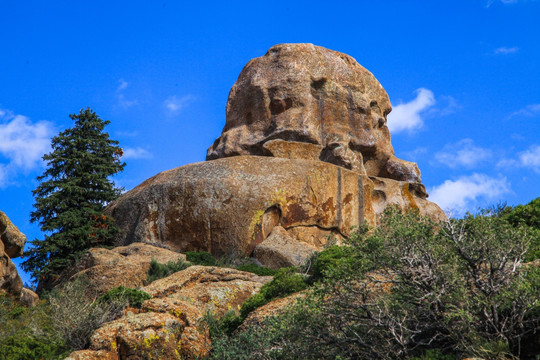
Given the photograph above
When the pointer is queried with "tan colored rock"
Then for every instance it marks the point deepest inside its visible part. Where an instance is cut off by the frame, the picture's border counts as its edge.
(10, 281)
(92, 355)
(301, 93)
(12, 238)
(228, 206)
(149, 336)
(280, 249)
(122, 266)
(209, 289)
(28, 297)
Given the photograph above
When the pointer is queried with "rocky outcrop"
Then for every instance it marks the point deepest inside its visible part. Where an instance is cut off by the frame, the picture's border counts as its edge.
(308, 102)
(12, 246)
(209, 289)
(305, 151)
(122, 266)
(168, 325)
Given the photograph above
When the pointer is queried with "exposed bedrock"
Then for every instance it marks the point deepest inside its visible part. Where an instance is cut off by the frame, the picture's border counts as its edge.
(229, 206)
(319, 104)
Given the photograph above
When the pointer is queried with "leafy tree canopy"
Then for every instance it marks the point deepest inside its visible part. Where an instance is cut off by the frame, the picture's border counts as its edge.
(72, 194)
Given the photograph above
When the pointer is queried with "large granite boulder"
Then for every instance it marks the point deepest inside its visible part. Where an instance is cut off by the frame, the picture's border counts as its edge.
(305, 156)
(305, 101)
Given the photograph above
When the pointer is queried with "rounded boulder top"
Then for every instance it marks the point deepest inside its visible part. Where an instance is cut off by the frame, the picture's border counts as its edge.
(308, 102)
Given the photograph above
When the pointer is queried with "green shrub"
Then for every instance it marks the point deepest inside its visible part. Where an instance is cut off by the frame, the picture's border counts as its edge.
(256, 269)
(28, 333)
(329, 259)
(285, 282)
(201, 258)
(159, 271)
(122, 294)
(21, 346)
(76, 314)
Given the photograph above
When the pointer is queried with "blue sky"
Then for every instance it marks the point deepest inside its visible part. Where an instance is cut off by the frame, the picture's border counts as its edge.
(463, 77)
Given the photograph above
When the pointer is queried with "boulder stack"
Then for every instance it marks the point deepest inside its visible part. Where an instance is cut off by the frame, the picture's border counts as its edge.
(304, 157)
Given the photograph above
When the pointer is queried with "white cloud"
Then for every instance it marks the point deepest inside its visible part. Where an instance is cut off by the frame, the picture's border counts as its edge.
(123, 85)
(136, 153)
(462, 194)
(505, 2)
(462, 154)
(22, 144)
(505, 50)
(175, 104)
(122, 101)
(407, 116)
(529, 110)
(125, 103)
(531, 158)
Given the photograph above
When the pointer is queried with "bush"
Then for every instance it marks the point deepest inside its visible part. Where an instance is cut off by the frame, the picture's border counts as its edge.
(201, 258)
(256, 269)
(76, 313)
(285, 282)
(159, 271)
(124, 295)
(28, 333)
(409, 288)
(329, 259)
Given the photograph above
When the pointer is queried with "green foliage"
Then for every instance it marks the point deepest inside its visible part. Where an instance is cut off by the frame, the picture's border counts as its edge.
(201, 258)
(159, 271)
(76, 314)
(122, 294)
(28, 333)
(527, 215)
(72, 193)
(285, 282)
(256, 269)
(409, 288)
(331, 258)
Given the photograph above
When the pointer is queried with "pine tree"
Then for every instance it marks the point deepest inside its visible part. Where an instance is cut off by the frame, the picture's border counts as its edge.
(71, 196)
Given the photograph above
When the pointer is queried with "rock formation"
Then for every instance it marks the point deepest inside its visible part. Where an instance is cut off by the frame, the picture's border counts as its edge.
(305, 155)
(11, 246)
(167, 326)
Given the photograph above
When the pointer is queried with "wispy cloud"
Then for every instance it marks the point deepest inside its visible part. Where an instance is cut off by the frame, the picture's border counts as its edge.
(464, 193)
(408, 116)
(123, 102)
(174, 103)
(22, 144)
(531, 158)
(505, 2)
(529, 110)
(123, 84)
(506, 50)
(136, 153)
(462, 154)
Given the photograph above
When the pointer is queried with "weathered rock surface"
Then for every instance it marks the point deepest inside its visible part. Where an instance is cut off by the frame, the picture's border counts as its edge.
(280, 249)
(11, 246)
(305, 101)
(167, 326)
(122, 266)
(12, 238)
(228, 206)
(149, 336)
(209, 289)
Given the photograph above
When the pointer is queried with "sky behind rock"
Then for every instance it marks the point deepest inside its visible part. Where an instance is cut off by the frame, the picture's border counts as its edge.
(462, 77)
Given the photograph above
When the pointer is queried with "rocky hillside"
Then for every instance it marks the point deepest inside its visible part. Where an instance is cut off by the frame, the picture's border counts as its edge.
(305, 155)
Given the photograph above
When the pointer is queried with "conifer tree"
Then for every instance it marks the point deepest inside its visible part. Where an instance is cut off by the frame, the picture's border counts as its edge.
(71, 196)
